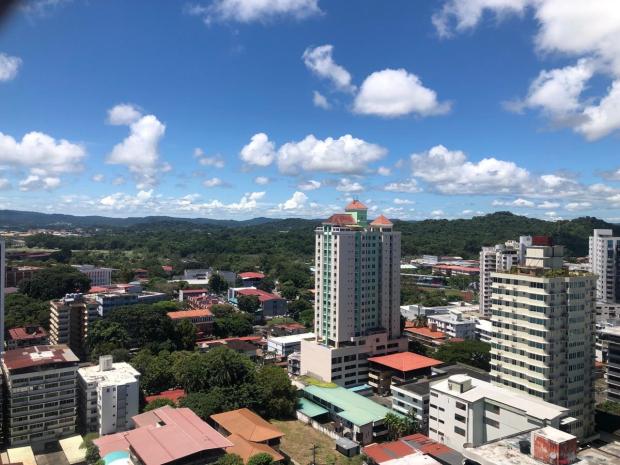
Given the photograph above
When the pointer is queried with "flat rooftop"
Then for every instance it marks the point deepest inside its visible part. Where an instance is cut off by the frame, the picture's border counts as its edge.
(507, 452)
(27, 332)
(121, 373)
(484, 390)
(35, 356)
(290, 339)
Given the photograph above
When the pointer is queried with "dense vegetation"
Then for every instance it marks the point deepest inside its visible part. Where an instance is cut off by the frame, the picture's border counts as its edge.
(53, 283)
(474, 353)
(274, 245)
(218, 380)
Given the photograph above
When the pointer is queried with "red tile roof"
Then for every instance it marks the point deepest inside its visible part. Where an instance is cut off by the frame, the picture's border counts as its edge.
(174, 395)
(470, 269)
(181, 314)
(405, 361)
(356, 205)
(246, 449)
(427, 332)
(167, 434)
(381, 221)
(389, 450)
(167, 268)
(340, 219)
(26, 332)
(251, 275)
(247, 424)
(262, 295)
(428, 445)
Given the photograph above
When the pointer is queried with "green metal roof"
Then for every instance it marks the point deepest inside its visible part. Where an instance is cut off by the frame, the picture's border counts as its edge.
(310, 409)
(357, 409)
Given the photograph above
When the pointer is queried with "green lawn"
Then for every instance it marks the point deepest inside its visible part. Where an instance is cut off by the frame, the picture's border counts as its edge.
(299, 438)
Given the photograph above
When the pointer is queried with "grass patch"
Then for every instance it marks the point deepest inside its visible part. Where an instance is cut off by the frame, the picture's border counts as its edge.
(315, 382)
(299, 438)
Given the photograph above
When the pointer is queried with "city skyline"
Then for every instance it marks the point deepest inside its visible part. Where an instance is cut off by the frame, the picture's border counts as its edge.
(240, 109)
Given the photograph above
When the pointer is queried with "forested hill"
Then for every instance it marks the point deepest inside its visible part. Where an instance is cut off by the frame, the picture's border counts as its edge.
(465, 237)
(450, 237)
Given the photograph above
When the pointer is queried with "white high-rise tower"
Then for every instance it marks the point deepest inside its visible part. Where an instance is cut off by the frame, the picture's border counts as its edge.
(604, 260)
(357, 301)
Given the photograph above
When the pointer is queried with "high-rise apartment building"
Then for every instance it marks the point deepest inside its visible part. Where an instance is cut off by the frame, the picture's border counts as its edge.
(604, 258)
(40, 404)
(611, 336)
(109, 396)
(543, 333)
(357, 302)
(70, 318)
(500, 257)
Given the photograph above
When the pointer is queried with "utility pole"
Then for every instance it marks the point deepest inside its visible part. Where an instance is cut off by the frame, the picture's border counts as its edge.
(313, 449)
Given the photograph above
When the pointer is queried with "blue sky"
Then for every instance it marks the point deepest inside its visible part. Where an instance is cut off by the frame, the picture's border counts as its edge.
(244, 108)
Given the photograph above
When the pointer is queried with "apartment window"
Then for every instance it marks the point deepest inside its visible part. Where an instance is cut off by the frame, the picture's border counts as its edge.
(493, 408)
(460, 431)
(461, 406)
(460, 418)
(491, 422)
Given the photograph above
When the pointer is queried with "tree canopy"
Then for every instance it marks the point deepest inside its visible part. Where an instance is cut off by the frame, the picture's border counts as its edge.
(54, 282)
(470, 352)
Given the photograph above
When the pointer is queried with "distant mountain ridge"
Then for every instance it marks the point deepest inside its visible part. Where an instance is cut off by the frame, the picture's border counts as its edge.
(462, 237)
(18, 219)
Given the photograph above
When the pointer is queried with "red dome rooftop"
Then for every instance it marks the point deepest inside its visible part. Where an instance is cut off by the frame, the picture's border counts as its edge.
(356, 205)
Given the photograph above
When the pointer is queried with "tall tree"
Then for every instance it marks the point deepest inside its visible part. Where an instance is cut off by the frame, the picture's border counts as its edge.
(474, 353)
(248, 303)
(217, 284)
(277, 396)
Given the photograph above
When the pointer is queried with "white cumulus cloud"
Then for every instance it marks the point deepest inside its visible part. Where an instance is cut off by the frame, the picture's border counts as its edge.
(410, 186)
(319, 100)
(346, 155)
(348, 185)
(297, 201)
(395, 92)
(309, 185)
(262, 180)
(139, 151)
(248, 11)
(319, 60)
(260, 151)
(9, 66)
(212, 182)
(36, 182)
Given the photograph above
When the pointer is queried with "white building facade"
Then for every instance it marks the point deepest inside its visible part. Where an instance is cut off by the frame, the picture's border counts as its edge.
(357, 300)
(109, 396)
(465, 410)
(454, 324)
(604, 259)
(98, 276)
(543, 334)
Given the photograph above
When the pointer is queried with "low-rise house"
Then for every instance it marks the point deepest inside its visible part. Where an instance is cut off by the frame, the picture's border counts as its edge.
(184, 294)
(270, 304)
(249, 433)
(395, 369)
(284, 346)
(404, 452)
(165, 436)
(202, 319)
(467, 411)
(353, 416)
(454, 324)
(456, 270)
(26, 336)
(286, 329)
(428, 336)
(251, 278)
